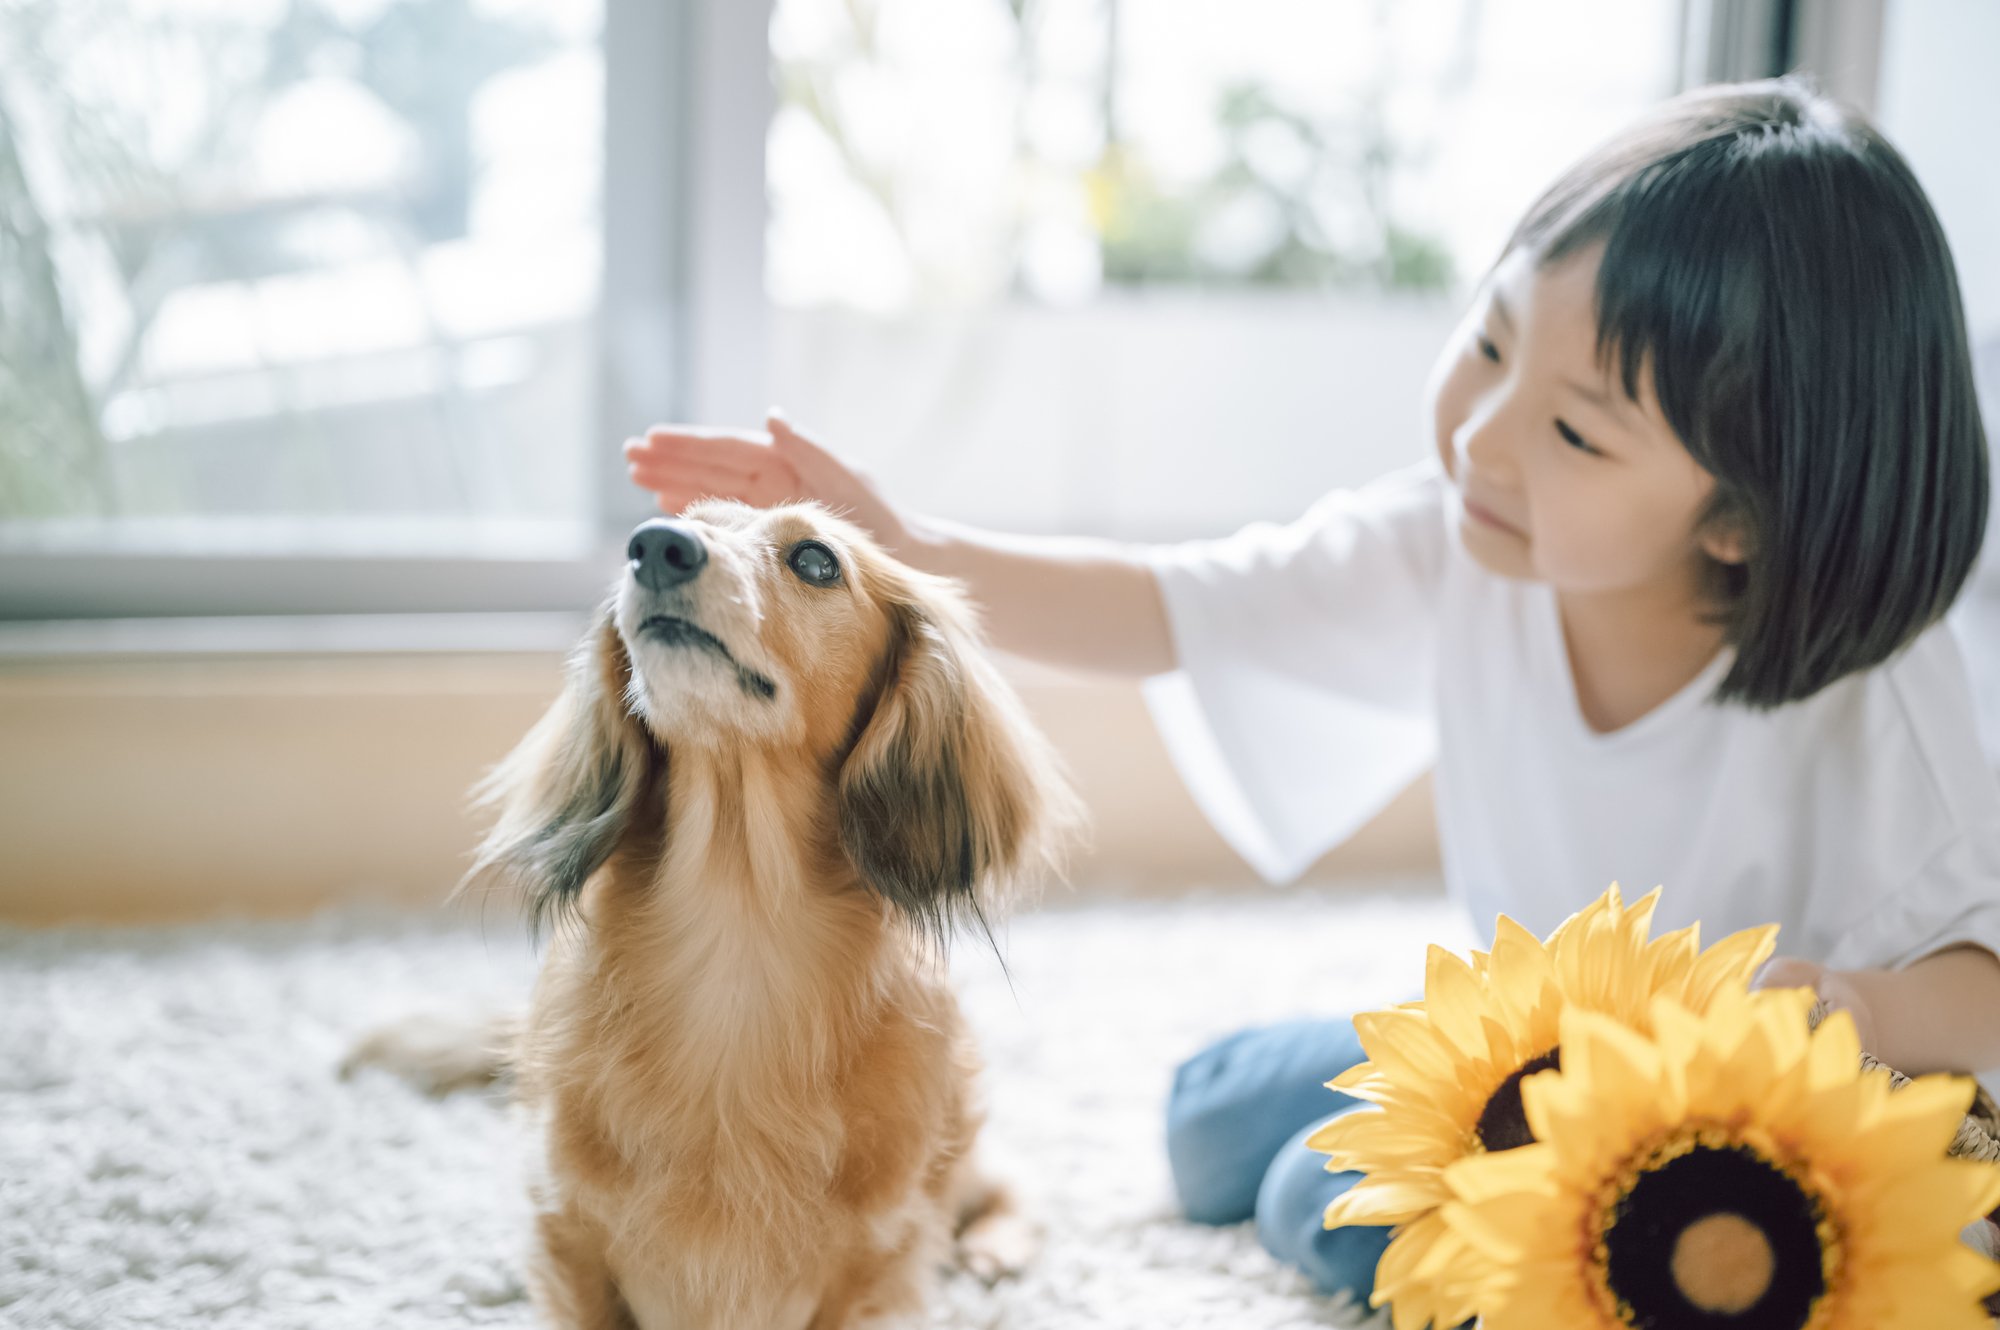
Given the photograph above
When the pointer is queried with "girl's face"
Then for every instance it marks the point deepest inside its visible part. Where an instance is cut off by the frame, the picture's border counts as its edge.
(1561, 477)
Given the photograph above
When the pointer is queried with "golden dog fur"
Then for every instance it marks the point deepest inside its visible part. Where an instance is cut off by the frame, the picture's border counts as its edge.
(756, 1090)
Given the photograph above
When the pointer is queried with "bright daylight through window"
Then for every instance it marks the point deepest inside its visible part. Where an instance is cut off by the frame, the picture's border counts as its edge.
(933, 152)
(318, 271)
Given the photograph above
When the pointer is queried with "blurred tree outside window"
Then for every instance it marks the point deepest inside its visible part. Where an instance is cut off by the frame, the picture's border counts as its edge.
(319, 261)
(939, 153)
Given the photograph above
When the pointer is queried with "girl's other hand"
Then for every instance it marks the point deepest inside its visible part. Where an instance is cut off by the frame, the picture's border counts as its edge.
(763, 468)
(1834, 987)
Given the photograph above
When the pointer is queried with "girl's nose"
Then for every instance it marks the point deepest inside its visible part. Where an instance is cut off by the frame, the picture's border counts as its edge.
(1484, 439)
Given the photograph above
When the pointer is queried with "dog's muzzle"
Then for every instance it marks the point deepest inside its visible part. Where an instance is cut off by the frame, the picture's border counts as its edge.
(665, 556)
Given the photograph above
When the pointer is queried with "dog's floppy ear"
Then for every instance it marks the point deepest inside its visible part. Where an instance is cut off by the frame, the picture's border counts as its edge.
(567, 792)
(949, 794)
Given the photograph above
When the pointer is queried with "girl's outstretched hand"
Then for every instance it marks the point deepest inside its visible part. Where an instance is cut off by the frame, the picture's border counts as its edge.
(682, 463)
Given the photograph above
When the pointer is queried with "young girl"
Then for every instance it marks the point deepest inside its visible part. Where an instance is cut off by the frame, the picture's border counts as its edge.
(1665, 609)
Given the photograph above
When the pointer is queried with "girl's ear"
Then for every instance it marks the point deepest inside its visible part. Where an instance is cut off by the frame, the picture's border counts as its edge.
(567, 792)
(949, 792)
(1722, 536)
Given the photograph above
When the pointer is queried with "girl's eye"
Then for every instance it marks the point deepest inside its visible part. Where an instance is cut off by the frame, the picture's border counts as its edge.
(1486, 347)
(814, 563)
(1575, 440)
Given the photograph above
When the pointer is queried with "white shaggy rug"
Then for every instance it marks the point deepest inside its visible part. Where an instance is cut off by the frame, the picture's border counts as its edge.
(175, 1150)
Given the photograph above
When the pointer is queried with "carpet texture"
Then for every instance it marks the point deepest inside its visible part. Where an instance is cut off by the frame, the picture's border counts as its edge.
(175, 1150)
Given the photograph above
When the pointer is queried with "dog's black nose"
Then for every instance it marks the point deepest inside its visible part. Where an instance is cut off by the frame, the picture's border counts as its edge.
(665, 554)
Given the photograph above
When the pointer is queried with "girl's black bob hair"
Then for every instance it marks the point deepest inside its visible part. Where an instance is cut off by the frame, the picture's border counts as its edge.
(1774, 264)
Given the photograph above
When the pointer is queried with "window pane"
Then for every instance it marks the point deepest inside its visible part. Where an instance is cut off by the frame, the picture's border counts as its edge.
(939, 152)
(321, 262)
(1158, 269)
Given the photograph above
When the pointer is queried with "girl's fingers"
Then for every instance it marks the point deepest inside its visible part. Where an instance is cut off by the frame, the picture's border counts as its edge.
(702, 434)
(830, 477)
(740, 446)
(658, 475)
(681, 463)
(788, 441)
(736, 455)
(760, 488)
(733, 462)
(732, 448)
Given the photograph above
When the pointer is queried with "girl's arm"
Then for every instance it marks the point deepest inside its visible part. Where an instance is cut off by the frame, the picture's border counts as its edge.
(1085, 604)
(1940, 1014)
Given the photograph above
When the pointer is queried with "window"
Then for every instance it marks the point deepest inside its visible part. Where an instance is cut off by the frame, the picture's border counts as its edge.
(938, 152)
(305, 299)
(1157, 269)
(326, 265)
(341, 305)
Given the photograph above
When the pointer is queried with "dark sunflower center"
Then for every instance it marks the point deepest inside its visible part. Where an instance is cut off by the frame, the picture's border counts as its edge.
(1503, 1123)
(1714, 1237)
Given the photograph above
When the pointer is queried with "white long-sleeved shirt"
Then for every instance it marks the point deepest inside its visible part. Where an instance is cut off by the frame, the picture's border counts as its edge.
(1326, 663)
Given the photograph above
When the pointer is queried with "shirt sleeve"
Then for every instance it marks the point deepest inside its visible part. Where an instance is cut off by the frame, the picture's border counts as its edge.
(1954, 900)
(1305, 694)
(1944, 802)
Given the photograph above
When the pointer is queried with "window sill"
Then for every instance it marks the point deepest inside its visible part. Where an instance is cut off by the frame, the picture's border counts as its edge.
(54, 642)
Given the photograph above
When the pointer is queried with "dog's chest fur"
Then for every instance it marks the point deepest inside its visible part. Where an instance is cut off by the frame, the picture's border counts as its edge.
(732, 1064)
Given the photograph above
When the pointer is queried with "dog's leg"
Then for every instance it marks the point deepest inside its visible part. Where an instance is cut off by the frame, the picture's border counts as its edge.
(439, 1054)
(569, 1279)
(996, 1238)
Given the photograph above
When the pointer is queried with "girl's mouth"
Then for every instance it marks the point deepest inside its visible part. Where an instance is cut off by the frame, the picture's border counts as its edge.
(1487, 517)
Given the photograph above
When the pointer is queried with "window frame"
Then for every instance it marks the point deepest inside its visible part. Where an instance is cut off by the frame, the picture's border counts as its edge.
(679, 334)
(1838, 45)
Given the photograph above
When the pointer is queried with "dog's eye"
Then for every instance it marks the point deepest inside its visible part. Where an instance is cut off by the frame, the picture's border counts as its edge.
(814, 563)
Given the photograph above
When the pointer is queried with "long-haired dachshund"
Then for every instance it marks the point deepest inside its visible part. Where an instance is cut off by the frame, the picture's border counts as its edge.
(781, 772)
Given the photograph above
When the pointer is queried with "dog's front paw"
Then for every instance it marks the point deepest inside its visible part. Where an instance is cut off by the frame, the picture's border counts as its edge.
(998, 1246)
(436, 1054)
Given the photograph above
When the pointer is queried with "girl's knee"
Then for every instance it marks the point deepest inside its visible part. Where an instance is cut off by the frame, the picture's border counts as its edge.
(1291, 1222)
(1211, 1119)
(1235, 1103)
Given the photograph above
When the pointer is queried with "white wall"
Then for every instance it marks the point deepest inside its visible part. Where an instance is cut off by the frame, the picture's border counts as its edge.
(1152, 416)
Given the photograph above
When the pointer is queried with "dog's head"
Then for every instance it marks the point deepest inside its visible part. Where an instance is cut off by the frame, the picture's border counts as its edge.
(788, 631)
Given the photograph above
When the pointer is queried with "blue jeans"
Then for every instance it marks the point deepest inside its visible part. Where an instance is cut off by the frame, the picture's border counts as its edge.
(1237, 1123)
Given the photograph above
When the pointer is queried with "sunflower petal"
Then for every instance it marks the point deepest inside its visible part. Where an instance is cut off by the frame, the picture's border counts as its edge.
(1379, 1202)
(1729, 965)
(1452, 1000)
(1404, 1046)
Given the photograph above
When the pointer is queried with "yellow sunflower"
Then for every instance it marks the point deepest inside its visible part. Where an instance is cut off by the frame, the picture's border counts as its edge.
(1729, 1169)
(1446, 1073)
